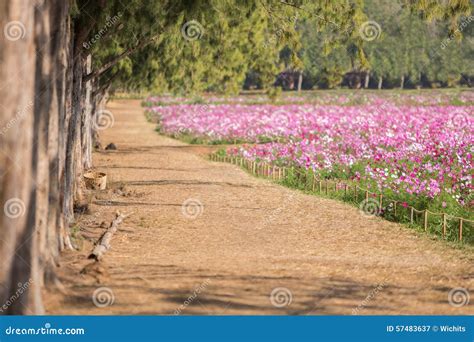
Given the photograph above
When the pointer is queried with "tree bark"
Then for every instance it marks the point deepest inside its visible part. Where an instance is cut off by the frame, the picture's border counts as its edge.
(402, 82)
(73, 160)
(17, 191)
(86, 122)
(380, 82)
(367, 80)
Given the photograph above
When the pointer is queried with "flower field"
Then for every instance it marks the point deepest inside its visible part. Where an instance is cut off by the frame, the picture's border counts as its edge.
(421, 155)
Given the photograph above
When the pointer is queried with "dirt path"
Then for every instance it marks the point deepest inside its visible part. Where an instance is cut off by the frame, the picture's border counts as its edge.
(249, 238)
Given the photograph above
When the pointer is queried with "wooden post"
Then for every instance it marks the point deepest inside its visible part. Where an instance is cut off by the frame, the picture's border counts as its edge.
(460, 230)
(426, 220)
(327, 187)
(320, 186)
(444, 225)
(366, 195)
(411, 215)
(380, 201)
(394, 208)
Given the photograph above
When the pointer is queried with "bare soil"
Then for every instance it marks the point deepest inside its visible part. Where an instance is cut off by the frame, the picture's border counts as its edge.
(249, 237)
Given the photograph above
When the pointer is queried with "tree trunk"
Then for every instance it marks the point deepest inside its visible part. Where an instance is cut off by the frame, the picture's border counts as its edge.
(380, 82)
(55, 233)
(30, 231)
(73, 166)
(367, 80)
(402, 82)
(86, 124)
(300, 80)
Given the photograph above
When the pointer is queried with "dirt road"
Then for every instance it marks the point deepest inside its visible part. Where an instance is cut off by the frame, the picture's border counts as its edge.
(208, 238)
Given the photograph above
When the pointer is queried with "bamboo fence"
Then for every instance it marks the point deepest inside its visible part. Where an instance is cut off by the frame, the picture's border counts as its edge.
(354, 191)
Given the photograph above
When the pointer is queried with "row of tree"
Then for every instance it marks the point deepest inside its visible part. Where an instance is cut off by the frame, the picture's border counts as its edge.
(403, 50)
(59, 58)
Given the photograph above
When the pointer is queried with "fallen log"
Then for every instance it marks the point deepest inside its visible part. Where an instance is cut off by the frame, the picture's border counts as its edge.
(104, 242)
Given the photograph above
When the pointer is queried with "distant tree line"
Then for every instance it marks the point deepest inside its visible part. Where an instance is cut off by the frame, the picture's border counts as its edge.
(404, 51)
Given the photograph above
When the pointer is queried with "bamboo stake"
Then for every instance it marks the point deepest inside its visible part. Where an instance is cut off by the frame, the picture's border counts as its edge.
(411, 214)
(395, 208)
(320, 186)
(380, 201)
(426, 220)
(444, 225)
(366, 195)
(460, 230)
(327, 187)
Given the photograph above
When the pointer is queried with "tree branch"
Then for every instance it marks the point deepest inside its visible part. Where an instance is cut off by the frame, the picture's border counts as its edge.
(115, 60)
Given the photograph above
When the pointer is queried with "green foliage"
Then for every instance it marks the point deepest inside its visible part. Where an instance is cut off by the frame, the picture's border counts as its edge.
(237, 38)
